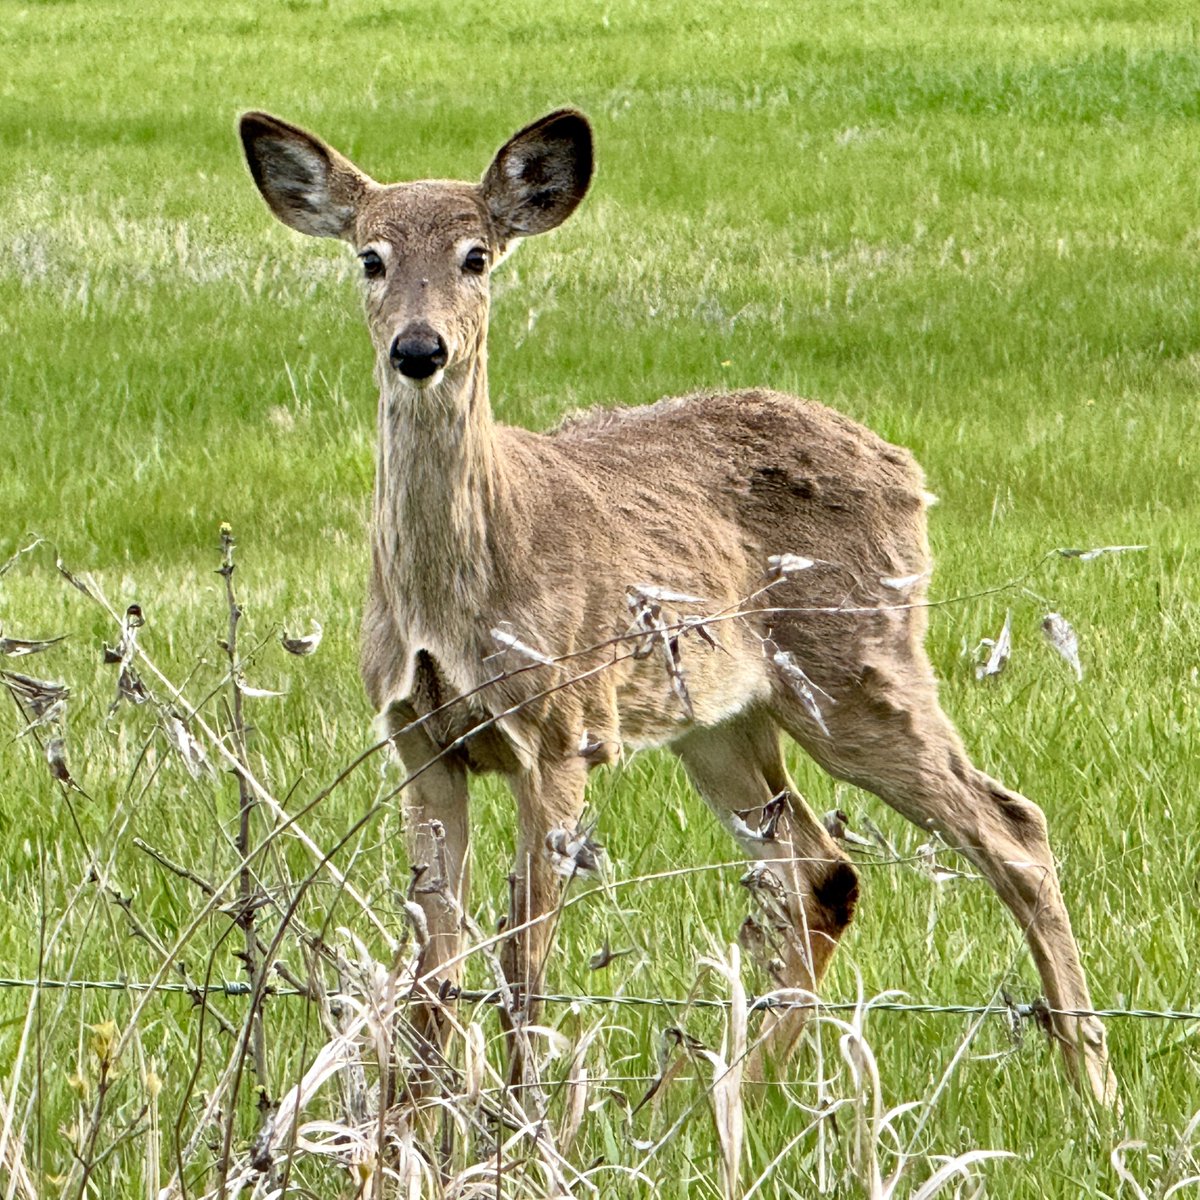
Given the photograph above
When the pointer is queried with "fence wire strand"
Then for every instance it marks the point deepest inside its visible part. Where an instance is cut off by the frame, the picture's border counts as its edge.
(235, 988)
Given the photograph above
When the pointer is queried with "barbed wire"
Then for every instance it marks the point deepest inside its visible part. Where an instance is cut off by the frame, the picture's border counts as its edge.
(765, 1003)
(235, 988)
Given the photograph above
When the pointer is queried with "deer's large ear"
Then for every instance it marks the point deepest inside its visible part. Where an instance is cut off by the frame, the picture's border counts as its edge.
(307, 184)
(540, 174)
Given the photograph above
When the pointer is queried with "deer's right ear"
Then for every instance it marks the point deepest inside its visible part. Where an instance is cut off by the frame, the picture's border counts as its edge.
(307, 184)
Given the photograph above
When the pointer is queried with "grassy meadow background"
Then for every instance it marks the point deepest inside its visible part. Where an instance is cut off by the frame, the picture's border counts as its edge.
(974, 227)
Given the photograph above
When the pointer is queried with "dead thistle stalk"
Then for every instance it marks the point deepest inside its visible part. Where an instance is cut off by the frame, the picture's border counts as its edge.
(248, 896)
(246, 802)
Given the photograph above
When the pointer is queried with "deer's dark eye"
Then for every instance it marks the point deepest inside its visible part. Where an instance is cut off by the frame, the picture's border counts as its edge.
(372, 264)
(476, 261)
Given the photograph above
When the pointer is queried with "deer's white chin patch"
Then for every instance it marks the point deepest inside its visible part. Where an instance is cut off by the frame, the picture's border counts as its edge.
(421, 385)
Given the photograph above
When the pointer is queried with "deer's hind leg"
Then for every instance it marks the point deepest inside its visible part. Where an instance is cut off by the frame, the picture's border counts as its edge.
(804, 883)
(888, 734)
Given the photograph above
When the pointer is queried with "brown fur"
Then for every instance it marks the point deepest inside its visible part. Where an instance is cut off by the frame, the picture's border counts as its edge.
(479, 526)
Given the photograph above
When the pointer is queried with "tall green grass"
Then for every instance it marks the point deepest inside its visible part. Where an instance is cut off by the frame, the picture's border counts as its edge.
(973, 227)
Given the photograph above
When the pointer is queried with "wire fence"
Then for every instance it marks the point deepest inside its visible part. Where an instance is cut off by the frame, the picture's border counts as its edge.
(235, 988)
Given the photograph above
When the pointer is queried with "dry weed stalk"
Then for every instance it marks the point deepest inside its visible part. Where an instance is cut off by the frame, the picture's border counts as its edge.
(381, 1147)
(855, 1087)
(132, 688)
(249, 896)
(366, 1035)
(874, 1136)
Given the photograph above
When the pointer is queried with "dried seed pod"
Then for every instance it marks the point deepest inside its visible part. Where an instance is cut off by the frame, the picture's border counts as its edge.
(784, 566)
(1001, 648)
(925, 860)
(678, 675)
(255, 693)
(303, 646)
(130, 687)
(901, 583)
(510, 641)
(18, 647)
(573, 854)
(660, 595)
(837, 825)
(605, 955)
(1058, 632)
(45, 698)
(129, 683)
(185, 745)
(699, 626)
(56, 756)
(793, 674)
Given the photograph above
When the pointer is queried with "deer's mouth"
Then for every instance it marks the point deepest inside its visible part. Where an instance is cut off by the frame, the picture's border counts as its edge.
(422, 383)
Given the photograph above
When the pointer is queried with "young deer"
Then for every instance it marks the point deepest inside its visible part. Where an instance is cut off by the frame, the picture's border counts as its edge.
(479, 528)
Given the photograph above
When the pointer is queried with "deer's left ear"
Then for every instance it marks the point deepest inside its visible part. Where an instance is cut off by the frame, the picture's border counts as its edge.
(540, 175)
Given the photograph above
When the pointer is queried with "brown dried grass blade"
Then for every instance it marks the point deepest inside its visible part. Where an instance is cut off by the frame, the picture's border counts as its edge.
(728, 1065)
(670, 1063)
(12, 1160)
(578, 1088)
(43, 697)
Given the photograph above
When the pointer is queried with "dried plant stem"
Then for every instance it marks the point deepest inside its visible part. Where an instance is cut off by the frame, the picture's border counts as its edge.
(174, 867)
(39, 1025)
(248, 894)
(287, 822)
(533, 1143)
(86, 1156)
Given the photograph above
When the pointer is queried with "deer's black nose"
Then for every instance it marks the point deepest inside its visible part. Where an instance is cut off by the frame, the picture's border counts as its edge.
(418, 352)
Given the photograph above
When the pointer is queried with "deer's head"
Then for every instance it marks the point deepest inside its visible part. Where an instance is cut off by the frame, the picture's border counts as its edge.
(427, 248)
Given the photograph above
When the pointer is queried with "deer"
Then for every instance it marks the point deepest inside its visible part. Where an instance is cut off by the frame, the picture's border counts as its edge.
(705, 573)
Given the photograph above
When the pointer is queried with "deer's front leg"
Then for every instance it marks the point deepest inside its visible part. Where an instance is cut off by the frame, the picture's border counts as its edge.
(438, 837)
(549, 798)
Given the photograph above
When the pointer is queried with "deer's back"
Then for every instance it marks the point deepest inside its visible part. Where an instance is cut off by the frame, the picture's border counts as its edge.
(741, 476)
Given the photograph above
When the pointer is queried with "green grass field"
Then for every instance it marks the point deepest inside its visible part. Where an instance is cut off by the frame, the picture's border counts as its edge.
(974, 227)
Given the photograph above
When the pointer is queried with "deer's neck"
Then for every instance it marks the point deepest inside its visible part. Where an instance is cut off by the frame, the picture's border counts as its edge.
(437, 504)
